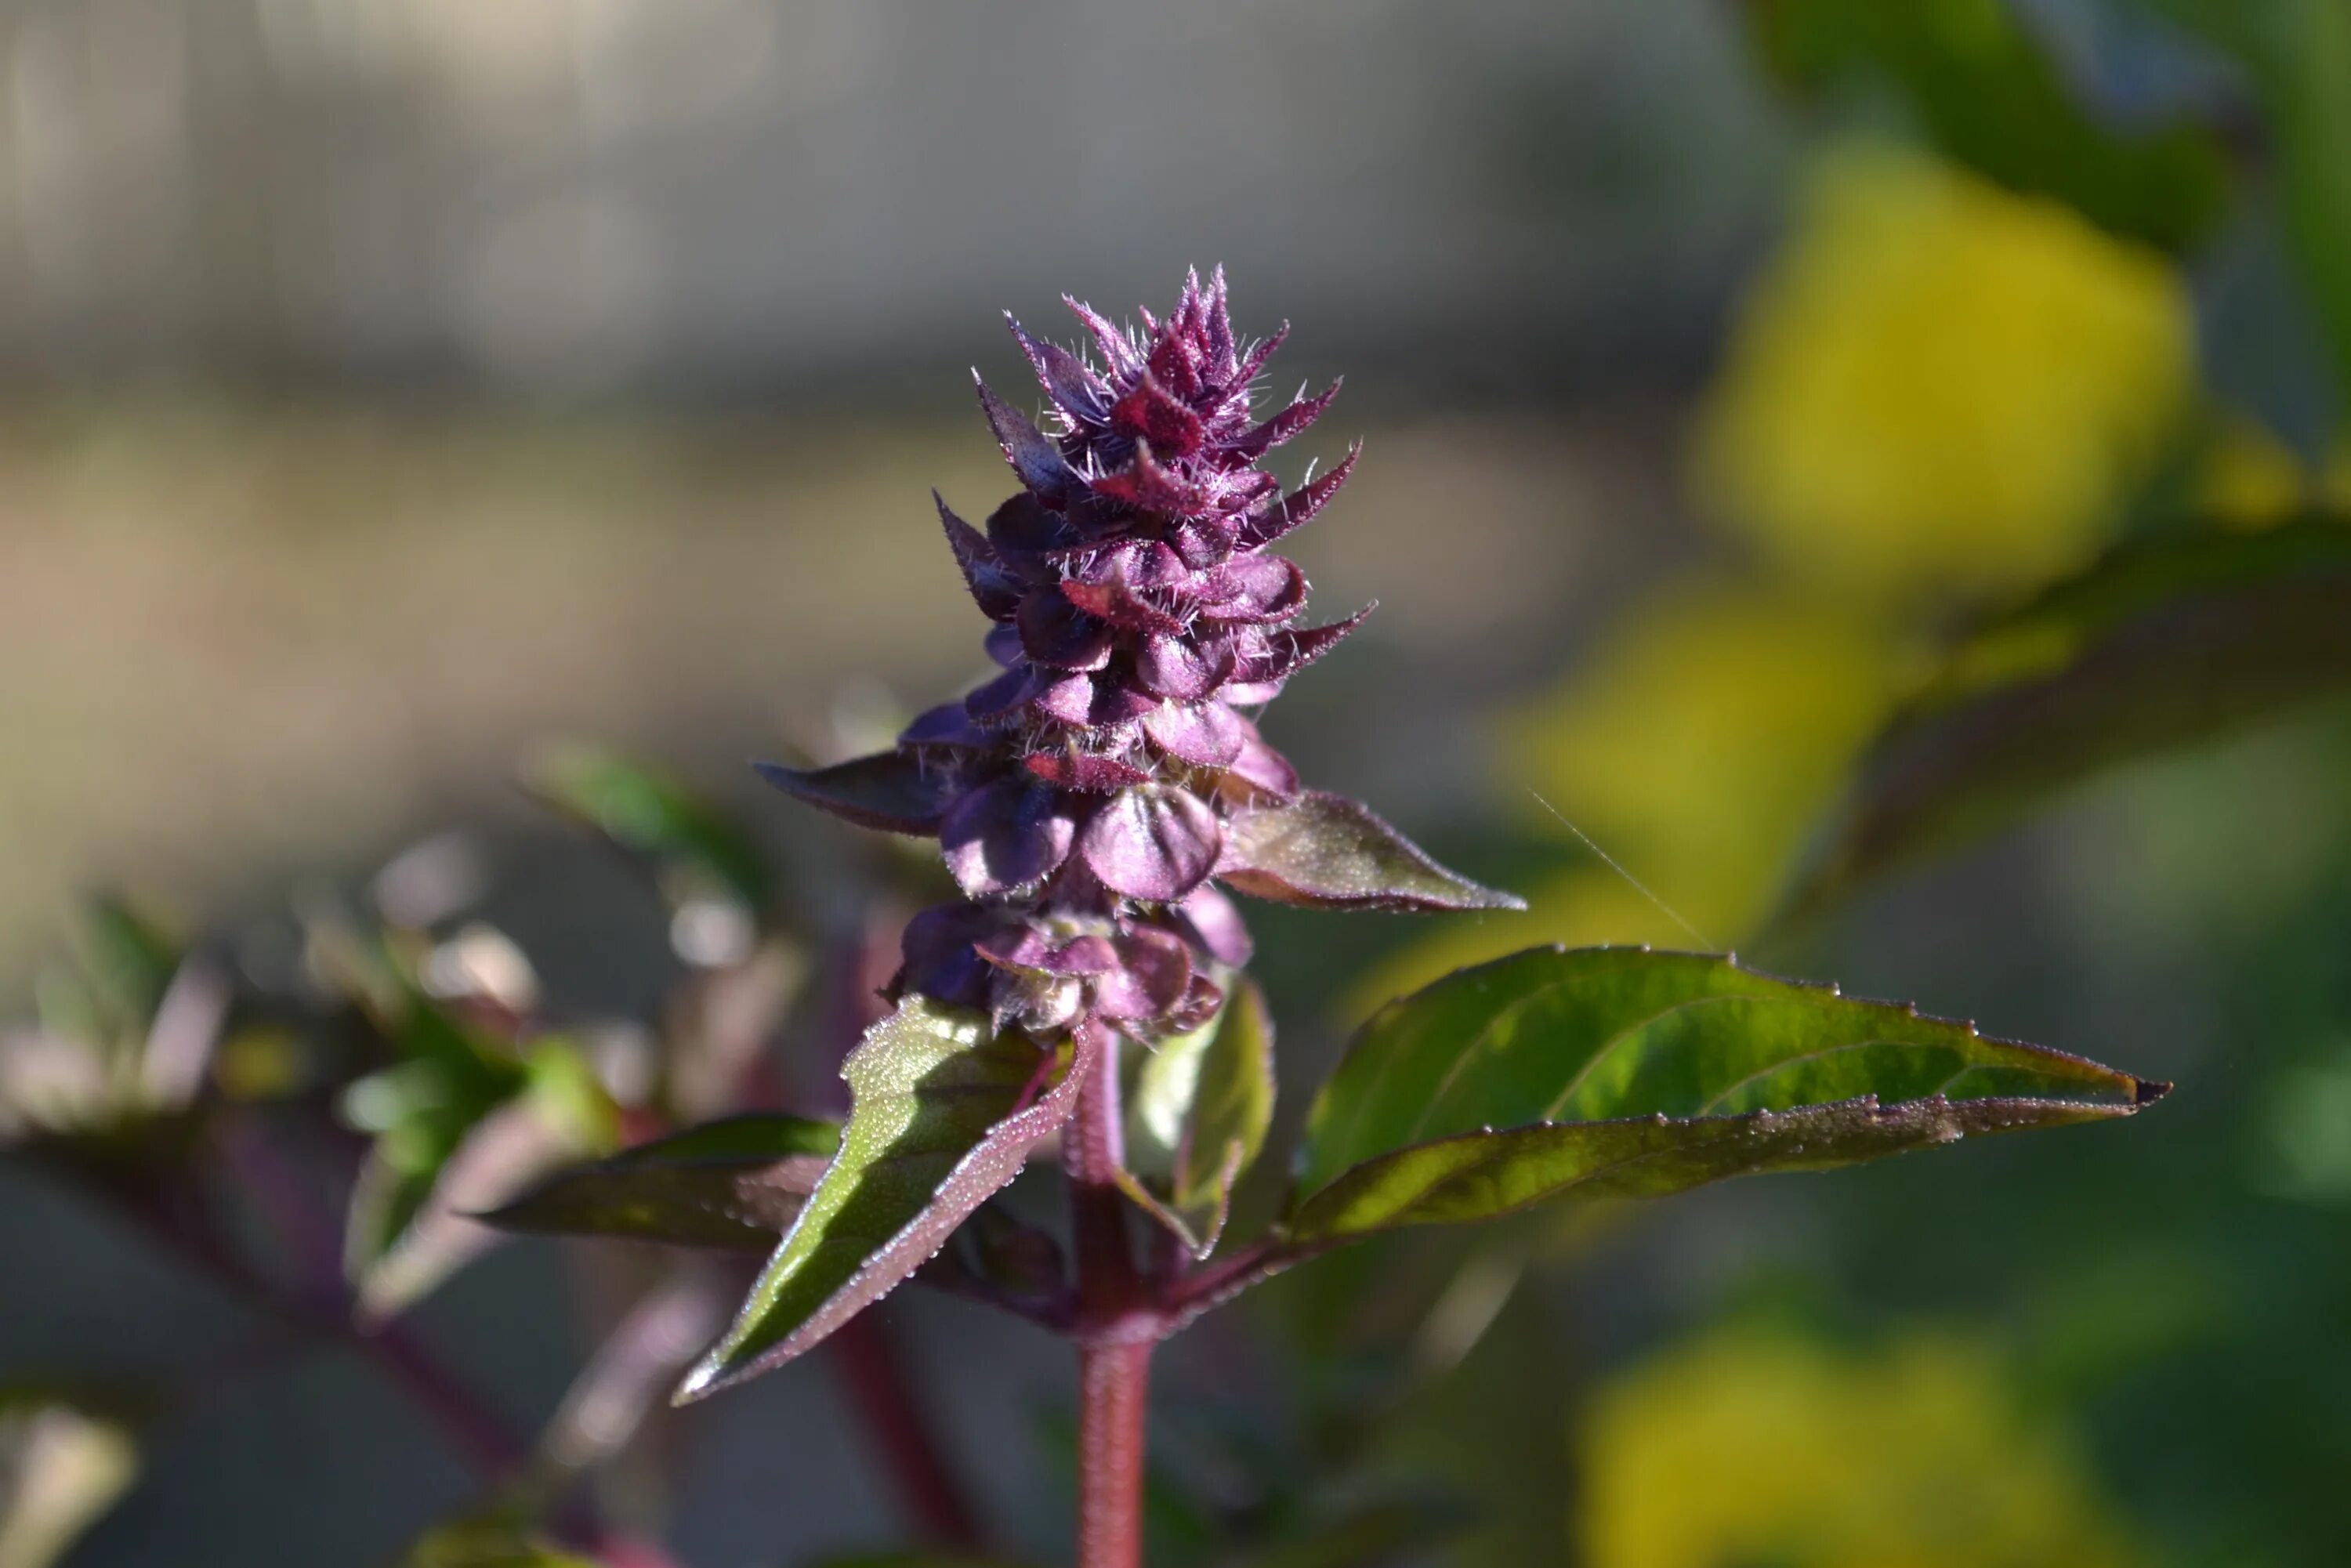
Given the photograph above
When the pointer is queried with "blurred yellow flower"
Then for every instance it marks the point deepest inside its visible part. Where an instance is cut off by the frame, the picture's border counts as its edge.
(1754, 1445)
(2249, 478)
(1696, 745)
(1938, 384)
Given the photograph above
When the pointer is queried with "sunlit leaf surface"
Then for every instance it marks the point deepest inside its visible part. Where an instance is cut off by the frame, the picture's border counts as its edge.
(1620, 1071)
(943, 1113)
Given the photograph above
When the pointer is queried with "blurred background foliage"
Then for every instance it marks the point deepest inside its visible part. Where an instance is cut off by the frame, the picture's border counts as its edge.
(1858, 483)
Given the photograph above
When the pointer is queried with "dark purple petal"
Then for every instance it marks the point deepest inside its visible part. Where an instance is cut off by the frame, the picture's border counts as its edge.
(1283, 426)
(1057, 633)
(1023, 946)
(1078, 391)
(991, 583)
(1254, 361)
(1298, 509)
(1024, 530)
(1205, 734)
(1116, 351)
(1004, 696)
(1153, 974)
(1119, 602)
(1006, 836)
(1213, 923)
(1147, 565)
(1203, 542)
(1144, 483)
(1148, 412)
(1177, 667)
(896, 791)
(940, 957)
(1153, 842)
(949, 723)
(1217, 328)
(1254, 587)
(1037, 460)
(1069, 700)
(1200, 1002)
(1083, 771)
(1002, 645)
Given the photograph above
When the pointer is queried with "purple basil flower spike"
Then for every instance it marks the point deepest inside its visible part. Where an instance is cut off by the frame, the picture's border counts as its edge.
(1088, 797)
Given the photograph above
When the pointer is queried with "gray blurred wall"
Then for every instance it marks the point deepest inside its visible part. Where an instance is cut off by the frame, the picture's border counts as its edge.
(795, 195)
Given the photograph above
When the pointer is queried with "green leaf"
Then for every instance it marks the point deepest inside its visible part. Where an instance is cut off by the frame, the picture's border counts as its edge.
(2160, 645)
(1987, 94)
(943, 1113)
(693, 849)
(736, 1184)
(496, 1539)
(1198, 1116)
(1617, 1071)
(1330, 853)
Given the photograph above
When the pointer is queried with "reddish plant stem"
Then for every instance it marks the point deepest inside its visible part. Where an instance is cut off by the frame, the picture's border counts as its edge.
(1117, 1329)
(895, 1422)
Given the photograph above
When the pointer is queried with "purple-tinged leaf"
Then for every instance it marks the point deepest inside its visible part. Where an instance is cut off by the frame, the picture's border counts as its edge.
(1298, 509)
(1202, 542)
(895, 791)
(993, 586)
(1330, 853)
(736, 1184)
(1153, 842)
(939, 954)
(1077, 390)
(1036, 460)
(1263, 769)
(1286, 651)
(1197, 1118)
(1616, 1071)
(1205, 734)
(1287, 425)
(945, 1112)
(1007, 834)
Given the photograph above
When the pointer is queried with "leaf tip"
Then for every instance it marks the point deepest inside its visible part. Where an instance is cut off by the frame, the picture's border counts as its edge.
(2147, 1091)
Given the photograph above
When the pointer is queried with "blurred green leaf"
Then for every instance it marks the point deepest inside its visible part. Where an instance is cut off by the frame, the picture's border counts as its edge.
(1198, 1116)
(494, 1541)
(1616, 1071)
(2298, 54)
(693, 851)
(1987, 94)
(562, 1115)
(943, 1113)
(61, 1467)
(446, 1079)
(736, 1184)
(2160, 645)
